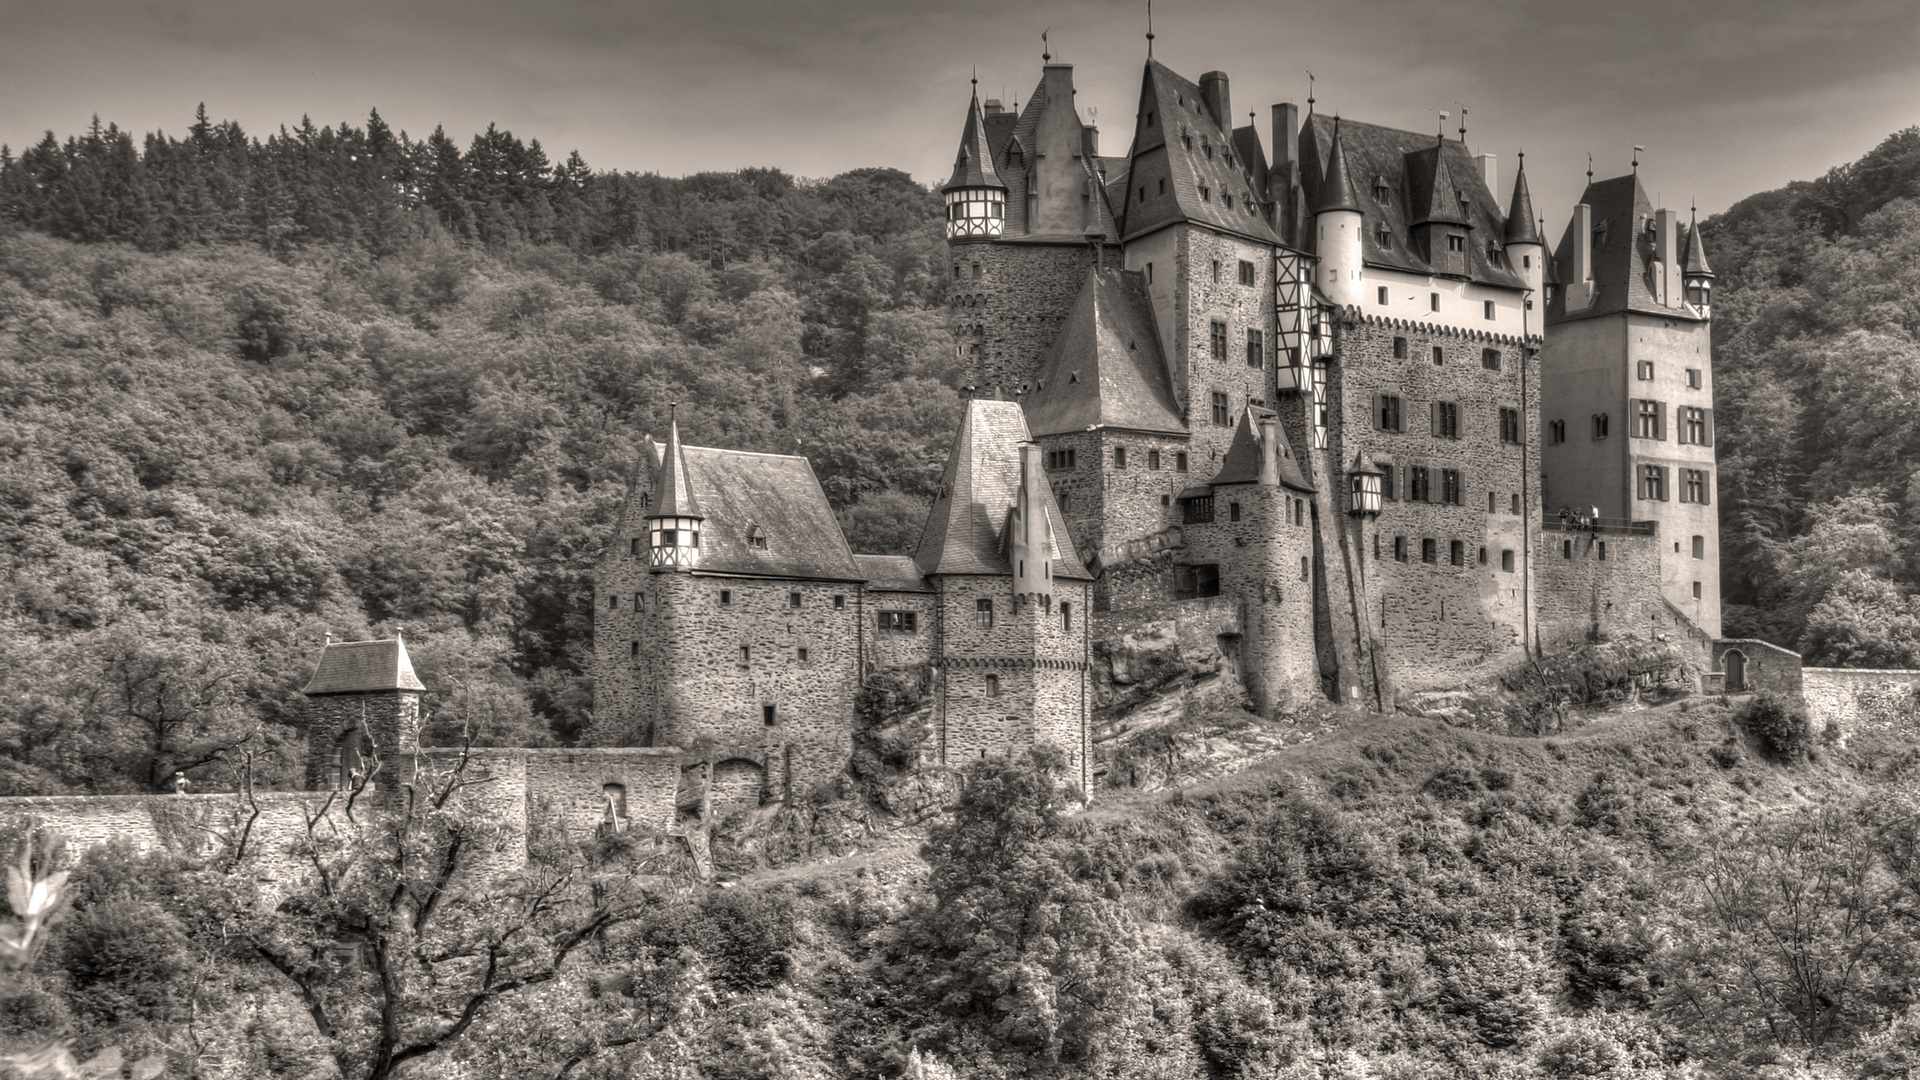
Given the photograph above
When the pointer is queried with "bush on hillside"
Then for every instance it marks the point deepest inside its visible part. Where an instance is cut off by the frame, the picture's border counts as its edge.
(1778, 724)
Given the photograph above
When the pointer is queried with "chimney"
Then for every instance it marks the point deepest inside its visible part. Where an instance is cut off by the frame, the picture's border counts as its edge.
(1579, 287)
(1031, 549)
(1490, 172)
(1059, 144)
(1269, 451)
(1213, 88)
(1284, 179)
(1666, 249)
(1090, 141)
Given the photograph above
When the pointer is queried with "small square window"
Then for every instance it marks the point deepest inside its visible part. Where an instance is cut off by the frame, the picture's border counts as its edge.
(793, 599)
(1246, 272)
(1399, 348)
(800, 654)
(1693, 378)
(726, 597)
(839, 602)
(1166, 500)
(1490, 359)
(1646, 370)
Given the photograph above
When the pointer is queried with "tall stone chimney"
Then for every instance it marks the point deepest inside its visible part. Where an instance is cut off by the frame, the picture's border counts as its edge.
(1666, 254)
(1213, 89)
(1579, 285)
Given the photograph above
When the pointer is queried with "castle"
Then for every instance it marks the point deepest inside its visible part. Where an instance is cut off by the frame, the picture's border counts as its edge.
(1259, 397)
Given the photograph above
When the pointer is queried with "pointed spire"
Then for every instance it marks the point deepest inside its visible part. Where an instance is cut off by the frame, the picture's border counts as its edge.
(673, 488)
(1694, 262)
(1520, 228)
(1336, 191)
(1443, 195)
(973, 165)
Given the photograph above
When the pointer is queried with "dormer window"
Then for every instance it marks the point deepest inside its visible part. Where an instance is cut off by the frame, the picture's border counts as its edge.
(1381, 192)
(1456, 242)
(1206, 194)
(757, 538)
(1383, 236)
(1229, 200)
(1186, 141)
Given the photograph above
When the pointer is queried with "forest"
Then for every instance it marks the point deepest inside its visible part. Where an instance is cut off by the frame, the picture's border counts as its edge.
(254, 391)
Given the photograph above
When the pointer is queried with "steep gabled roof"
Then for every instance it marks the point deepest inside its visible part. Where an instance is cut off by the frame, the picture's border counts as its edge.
(1207, 180)
(1104, 368)
(1520, 227)
(362, 667)
(779, 495)
(1379, 157)
(963, 534)
(1432, 192)
(1242, 463)
(1621, 250)
(892, 573)
(973, 165)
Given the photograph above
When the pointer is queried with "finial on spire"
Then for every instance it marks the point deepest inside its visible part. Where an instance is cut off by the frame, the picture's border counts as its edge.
(1309, 93)
(1149, 29)
(1046, 54)
(1589, 166)
(1463, 124)
(1637, 151)
(1443, 125)
(976, 77)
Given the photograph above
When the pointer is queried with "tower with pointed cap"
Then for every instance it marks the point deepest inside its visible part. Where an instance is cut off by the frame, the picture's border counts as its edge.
(1629, 386)
(363, 714)
(976, 199)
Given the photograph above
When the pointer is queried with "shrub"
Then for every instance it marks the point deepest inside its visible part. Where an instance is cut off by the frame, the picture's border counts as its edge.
(1778, 724)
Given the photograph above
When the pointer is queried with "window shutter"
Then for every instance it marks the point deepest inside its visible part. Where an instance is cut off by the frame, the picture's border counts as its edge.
(1666, 479)
(1459, 419)
(1660, 431)
(1709, 413)
(1706, 486)
(1433, 418)
(1377, 422)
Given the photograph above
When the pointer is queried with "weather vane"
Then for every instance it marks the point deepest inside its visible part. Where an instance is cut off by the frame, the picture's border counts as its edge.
(1149, 29)
(1637, 151)
(1045, 53)
(1463, 124)
(1309, 93)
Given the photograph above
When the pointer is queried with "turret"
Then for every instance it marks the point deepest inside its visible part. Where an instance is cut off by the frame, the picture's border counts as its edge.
(1699, 275)
(1439, 223)
(673, 522)
(976, 199)
(1526, 251)
(1338, 224)
(1030, 535)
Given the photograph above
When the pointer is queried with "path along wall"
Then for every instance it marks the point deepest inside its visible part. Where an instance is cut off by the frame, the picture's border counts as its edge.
(1860, 697)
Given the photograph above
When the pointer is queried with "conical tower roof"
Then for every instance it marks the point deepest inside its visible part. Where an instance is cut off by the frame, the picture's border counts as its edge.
(973, 165)
(1336, 192)
(1694, 262)
(1520, 227)
(673, 488)
(1436, 195)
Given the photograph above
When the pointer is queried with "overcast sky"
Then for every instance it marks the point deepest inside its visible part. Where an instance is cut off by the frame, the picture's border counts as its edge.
(1729, 97)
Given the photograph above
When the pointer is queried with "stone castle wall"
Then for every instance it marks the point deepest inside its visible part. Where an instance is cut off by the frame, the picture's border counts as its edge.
(1595, 585)
(1265, 564)
(895, 649)
(1854, 698)
(1005, 306)
(337, 723)
(623, 663)
(1034, 658)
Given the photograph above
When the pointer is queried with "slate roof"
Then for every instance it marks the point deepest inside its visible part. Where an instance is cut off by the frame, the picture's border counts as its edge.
(1242, 463)
(738, 490)
(672, 490)
(1178, 109)
(360, 667)
(973, 165)
(1520, 227)
(964, 532)
(1377, 155)
(1432, 191)
(1336, 191)
(1621, 250)
(1013, 169)
(1104, 368)
(1694, 262)
(892, 573)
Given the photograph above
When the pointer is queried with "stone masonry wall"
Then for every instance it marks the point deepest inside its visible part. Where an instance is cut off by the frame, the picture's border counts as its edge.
(713, 692)
(567, 788)
(390, 719)
(1855, 698)
(892, 649)
(1583, 595)
(1034, 657)
(1768, 667)
(1439, 620)
(621, 660)
(1265, 565)
(1240, 308)
(1005, 306)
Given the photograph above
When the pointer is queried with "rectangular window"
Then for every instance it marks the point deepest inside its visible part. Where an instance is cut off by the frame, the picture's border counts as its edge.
(1222, 416)
(633, 648)
(1600, 551)
(746, 654)
(1066, 615)
(1153, 460)
(1646, 419)
(1566, 549)
(977, 272)
(1557, 432)
(1457, 553)
(1439, 356)
(1450, 487)
(1233, 511)
(983, 613)
(1693, 426)
(1299, 511)
(1417, 490)
(1653, 482)
(726, 597)
(1179, 461)
(769, 715)
(1383, 294)
(1196, 582)
(1645, 371)
(1446, 419)
(1600, 425)
(1429, 551)
(898, 622)
(1066, 501)
(633, 546)
(1400, 549)
(800, 654)
(1506, 560)
(1487, 306)
(1196, 511)
(1149, 267)
(1510, 425)
(839, 602)
(993, 686)
(1693, 485)
(1693, 378)
(1389, 417)
(1433, 301)
(1256, 348)
(1119, 457)
(1216, 271)
(1490, 359)
(793, 599)
(1399, 348)
(613, 603)
(1060, 459)
(1386, 481)
(1699, 547)
(1246, 272)
(1696, 590)
(1514, 505)
(1217, 339)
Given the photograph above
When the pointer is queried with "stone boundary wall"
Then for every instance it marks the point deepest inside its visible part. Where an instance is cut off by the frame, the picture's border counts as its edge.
(1860, 697)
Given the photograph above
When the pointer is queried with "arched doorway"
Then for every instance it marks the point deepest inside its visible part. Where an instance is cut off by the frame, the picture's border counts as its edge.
(1735, 663)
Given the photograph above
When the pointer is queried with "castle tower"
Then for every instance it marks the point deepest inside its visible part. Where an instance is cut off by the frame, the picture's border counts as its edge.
(1012, 647)
(1338, 225)
(1628, 395)
(1526, 251)
(976, 199)
(363, 713)
(673, 524)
